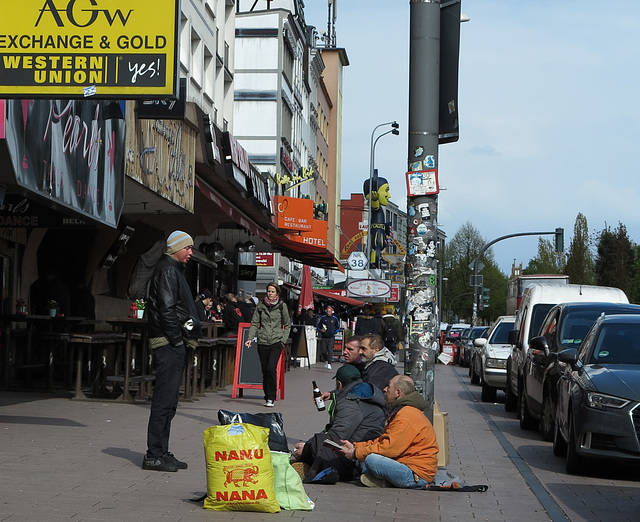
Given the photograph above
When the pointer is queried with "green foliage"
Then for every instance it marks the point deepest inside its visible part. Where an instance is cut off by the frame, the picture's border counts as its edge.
(614, 264)
(580, 266)
(548, 261)
(457, 257)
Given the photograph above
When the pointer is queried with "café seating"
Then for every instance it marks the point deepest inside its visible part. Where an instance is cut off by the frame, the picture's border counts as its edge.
(82, 341)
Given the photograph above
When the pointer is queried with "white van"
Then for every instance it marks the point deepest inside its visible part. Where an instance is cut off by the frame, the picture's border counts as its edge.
(536, 302)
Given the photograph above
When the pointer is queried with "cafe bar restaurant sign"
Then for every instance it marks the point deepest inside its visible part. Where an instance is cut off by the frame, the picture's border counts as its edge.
(81, 48)
(293, 213)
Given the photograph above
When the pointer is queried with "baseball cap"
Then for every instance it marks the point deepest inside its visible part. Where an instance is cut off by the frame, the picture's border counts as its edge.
(347, 373)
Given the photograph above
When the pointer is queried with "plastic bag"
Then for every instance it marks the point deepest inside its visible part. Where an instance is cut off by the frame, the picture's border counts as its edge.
(273, 421)
(239, 469)
(288, 484)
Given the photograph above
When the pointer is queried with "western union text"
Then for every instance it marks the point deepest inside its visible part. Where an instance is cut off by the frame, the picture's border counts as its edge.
(56, 69)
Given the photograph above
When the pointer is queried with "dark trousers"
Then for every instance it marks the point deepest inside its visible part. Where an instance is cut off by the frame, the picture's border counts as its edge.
(325, 348)
(169, 363)
(269, 355)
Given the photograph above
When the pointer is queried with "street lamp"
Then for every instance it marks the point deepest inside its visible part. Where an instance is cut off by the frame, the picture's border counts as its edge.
(395, 125)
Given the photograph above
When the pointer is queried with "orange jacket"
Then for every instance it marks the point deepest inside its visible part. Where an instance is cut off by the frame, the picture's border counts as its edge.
(408, 438)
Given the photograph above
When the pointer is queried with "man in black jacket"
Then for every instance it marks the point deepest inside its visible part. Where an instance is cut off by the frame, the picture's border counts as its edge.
(172, 323)
(355, 413)
(379, 366)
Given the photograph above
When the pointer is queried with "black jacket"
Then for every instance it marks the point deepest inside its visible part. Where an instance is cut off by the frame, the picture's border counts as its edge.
(170, 303)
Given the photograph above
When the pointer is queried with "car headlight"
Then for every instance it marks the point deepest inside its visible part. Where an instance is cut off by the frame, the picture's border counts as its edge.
(496, 363)
(601, 401)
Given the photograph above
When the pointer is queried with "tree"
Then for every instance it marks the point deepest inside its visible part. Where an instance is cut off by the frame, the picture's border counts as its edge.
(459, 254)
(615, 259)
(548, 261)
(580, 267)
(634, 296)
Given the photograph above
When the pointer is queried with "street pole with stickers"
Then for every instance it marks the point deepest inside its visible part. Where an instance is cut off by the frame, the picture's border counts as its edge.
(426, 119)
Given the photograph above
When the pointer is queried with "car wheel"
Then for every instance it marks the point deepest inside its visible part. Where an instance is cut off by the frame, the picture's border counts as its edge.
(488, 393)
(475, 378)
(559, 444)
(510, 398)
(548, 418)
(574, 461)
(527, 422)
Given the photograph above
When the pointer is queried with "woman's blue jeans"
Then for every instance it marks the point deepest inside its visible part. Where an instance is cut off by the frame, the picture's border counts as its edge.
(392, 471)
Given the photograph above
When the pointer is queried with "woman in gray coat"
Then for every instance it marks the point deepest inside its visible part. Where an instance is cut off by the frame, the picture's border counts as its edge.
(270, 324)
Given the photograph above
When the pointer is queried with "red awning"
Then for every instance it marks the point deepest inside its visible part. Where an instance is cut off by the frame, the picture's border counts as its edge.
(306, 254)
(232, 211)
(342, 298)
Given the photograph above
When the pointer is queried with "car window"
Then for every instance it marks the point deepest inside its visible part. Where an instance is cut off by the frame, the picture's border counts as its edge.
(538, 314)
(477, 332)
(575, 326)
(501, 334)
(617, 344)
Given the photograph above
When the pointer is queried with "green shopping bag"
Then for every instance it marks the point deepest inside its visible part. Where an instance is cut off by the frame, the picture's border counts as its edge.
(288, 484)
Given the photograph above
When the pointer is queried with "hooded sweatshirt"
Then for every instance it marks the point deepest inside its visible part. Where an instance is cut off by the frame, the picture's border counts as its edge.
(381, 369)
(408, 438)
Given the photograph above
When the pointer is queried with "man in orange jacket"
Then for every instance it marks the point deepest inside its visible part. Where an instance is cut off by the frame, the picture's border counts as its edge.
(406, 454)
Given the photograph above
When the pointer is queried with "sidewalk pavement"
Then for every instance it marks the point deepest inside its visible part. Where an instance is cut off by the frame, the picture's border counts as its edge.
(80, 461)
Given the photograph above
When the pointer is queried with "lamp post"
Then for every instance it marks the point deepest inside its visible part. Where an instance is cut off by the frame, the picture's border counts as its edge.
(395, 132)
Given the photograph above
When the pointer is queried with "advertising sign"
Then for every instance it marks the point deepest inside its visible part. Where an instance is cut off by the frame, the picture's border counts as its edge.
(79, 48)
(369, 288)
(264, 259)
(69, 153)
(293, 213)
(317, 237)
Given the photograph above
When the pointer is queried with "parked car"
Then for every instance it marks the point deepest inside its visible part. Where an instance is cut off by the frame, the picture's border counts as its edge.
(536, 302)
(451, 343)
(598, 413)
(490, 360)
(564, 327)
(466, 343)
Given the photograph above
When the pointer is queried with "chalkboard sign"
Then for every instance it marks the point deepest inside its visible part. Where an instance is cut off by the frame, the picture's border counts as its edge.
(248, 371)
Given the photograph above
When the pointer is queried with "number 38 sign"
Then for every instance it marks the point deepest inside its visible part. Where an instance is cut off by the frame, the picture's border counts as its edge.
(357, 260)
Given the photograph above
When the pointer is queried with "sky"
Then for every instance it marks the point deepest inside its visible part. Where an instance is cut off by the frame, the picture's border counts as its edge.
(549, 114)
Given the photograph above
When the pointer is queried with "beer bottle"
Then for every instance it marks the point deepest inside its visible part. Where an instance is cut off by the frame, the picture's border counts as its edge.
(317, 397)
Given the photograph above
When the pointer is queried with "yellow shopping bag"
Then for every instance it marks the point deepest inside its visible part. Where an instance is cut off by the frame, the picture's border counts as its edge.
(239, 470)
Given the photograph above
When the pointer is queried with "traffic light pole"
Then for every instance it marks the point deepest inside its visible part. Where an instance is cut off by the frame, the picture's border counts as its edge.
(421, 264)
(559, 246)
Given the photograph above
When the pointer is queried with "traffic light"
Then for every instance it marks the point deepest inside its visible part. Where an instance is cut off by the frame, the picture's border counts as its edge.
(485, 297)
(559, 239)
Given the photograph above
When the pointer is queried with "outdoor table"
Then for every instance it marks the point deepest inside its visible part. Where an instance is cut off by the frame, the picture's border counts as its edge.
(128, 325)
(58, 324)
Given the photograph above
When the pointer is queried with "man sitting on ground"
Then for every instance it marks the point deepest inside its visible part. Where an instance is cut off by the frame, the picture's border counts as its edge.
(355, 413)
(406, 454)
(351, 352)
(379, 362)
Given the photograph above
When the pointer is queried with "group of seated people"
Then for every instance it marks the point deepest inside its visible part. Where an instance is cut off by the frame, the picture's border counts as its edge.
(376, 418)
(229, 310)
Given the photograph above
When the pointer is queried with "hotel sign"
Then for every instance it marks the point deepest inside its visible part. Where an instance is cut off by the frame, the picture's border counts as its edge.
(80, 48)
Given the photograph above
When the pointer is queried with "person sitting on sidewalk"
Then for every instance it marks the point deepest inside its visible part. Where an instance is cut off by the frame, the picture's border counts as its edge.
(351, 352)
(379, 362)
(355, 413)
(406, 454)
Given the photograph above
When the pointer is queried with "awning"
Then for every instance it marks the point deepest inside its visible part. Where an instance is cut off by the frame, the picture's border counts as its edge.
(328, 294)
(342, 298)
(306, 254)
(236, 215)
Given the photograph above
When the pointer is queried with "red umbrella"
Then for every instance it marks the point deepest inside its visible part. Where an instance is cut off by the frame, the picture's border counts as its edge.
(306, 290)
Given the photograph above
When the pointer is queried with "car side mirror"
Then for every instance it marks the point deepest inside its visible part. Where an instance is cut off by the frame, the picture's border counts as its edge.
(568, 356)
(514, 338)
(539, 349)
(479, 342)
